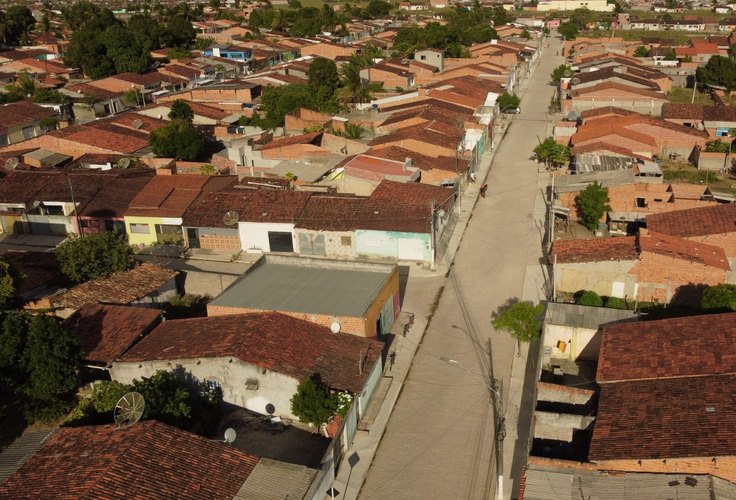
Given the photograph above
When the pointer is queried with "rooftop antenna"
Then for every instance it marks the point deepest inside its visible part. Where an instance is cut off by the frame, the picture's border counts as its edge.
(231, 218)
(230, 435)
(129, 409)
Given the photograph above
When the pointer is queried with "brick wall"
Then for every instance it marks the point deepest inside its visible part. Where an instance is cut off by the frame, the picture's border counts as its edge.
(348, 324)
(217, 242)
(660, 276)
(328, 51)
(56, 144)
(723, 467)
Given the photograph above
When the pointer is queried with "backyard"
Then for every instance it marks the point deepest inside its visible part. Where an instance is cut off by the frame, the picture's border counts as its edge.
(684, 172)
(685, 96)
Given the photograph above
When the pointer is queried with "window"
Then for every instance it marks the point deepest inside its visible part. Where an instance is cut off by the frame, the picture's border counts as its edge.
(139, 229)
(641, 202)
(212, 384)
(346, 241)
(422, 57)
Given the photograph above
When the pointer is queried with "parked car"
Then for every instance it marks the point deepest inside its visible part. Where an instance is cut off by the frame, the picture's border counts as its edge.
(512, 111)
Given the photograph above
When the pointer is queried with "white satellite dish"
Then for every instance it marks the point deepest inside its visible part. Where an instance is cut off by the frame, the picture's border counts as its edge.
(575, 80)
(230, 435)
(231, 218)
(567, 73)
(129, 409)
(12, 162)
(123, 163)
(335, 327)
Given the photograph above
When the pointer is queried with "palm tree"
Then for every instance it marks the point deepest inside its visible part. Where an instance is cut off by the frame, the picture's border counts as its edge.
(25, 84)
(353, 87)
(279, 20)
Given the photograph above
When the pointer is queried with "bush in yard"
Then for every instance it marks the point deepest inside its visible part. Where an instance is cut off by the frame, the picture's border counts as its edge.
(720, 297)
(616, 303)
(10, 280)
(180, 110)
(313, 402)
(589, 298)
(521, 319)
(178, 139)
(94, 256)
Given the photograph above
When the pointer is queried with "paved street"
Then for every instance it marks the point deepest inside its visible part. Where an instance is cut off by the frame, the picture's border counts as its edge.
(439, 442)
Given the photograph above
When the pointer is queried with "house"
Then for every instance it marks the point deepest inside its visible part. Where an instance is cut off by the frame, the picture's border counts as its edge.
(359, 298)
(642, 100)
(328, 50)
(557, 5)
(362, 173)
(256, 359)
(389, 76)
(107, 331)
(573, 331)
(155, 214)
(713, 225)
(678, 374)
(148, 459)
(716, 120)
(236, 219)
(650, 267)
(203, 114)
(57, 203)
(23, 120)
(145, 285)
(436, 171)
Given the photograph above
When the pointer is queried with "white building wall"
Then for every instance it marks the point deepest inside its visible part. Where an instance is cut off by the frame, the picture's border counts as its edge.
(254, 235)
(232, 374)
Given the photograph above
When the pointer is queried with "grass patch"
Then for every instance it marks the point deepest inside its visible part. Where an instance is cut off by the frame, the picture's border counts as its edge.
(685, 96)
(678, 36)
(683, 172)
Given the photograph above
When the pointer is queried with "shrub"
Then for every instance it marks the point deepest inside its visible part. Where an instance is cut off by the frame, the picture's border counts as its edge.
(616, 303)
(588, 298)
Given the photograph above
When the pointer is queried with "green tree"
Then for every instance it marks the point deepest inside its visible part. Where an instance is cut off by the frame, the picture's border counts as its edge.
(10, 280)
(508, 101)
(716, 146)
(592, 203)
(180, 110)
(559, 73)
(179, 32)
(167, 399)
(378, 8)
(45, 95)
(18, 21)
(179, 53)
(94, 256)
(106, 394)
(550, 151)
(521, 319)
(177, 139)
(51, 357)
(641, 51)
(568, 30)
(277, 102)
(204, 43)
(353, 131)
(12, 344)
(589, 298)
(313, 402)
(124, 50)
(720, 70)
(323, 73)
(720, 297)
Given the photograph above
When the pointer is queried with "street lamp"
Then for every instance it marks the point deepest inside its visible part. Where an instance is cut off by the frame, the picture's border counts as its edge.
(499, 421)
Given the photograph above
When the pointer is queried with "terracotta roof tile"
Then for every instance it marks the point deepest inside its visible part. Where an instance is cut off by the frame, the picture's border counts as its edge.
(253, 205)
(618, 86)
(146, 460)
(271, 340)
(120, 288)
(682, 111)
(423, 162)
(676, 347)
(22, 112)
(107, 331)
(171, 195)
(716, 219)
(679, 248)
(574, 251)
(311, 138)
(667, 418)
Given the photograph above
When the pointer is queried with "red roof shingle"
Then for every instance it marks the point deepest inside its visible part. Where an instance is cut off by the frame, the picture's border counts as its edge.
(270, 340)
(107, 331)
(146, 460)
(717, 219)
(573, 251)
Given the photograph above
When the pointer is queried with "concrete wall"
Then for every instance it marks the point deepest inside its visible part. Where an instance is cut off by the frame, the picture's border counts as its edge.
(661, 277)
(385, 244)
(581, 343)
(334, 247)
(722, 466)
(598, 277)
(142, 238)
(273, 387)
(646, 107)
(254, 235)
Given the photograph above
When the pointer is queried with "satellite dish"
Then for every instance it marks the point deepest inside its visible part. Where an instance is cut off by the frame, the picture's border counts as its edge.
(567, 73)
(231, 218)
(129, 409)
(575, 80)
(335, 327)
(11, 163)
(123, 163)
(230, 435)
(137, 123)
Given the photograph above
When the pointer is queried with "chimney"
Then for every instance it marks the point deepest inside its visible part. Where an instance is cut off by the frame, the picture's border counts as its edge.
(407, 163)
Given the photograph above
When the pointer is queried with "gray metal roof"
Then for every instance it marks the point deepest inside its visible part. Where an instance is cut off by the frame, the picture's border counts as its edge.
(272, 480)
(20, 450)
(585, 316)
(307, 285)
(549, 483)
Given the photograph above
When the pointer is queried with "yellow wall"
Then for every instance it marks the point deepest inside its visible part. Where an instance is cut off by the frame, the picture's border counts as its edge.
(139, 238)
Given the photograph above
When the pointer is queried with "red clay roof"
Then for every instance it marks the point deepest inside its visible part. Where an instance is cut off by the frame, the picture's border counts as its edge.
(597, 250)
(295, 139)
(271, 340)
(22, 112)
(171, 195)
(120, 288)
(667, 418)
(679, 248)
(682, 111)
(676, 347)
(107, 331)
(422, 162)
(717, 219)
(619, 86)
(146, 460)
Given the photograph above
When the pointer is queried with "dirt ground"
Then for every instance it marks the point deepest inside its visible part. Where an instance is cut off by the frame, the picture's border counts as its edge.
(290, 443)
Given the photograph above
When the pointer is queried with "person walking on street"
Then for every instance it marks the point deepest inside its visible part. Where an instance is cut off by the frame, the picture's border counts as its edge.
(483, 190)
